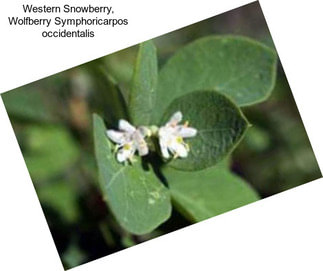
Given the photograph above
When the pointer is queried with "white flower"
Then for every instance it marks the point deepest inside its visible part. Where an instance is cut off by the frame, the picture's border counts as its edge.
(128, 140)
(171, 137)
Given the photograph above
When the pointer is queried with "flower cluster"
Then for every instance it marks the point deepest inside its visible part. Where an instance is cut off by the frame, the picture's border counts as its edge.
(130, 139)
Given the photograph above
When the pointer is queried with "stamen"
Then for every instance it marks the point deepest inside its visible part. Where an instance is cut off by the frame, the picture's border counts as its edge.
(179, 139)
(127, 146)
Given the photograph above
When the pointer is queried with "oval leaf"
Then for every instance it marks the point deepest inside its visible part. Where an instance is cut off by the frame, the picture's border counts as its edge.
(144, 83)
(203, 194)
(239, 67)
(220, 125)
(139, 201)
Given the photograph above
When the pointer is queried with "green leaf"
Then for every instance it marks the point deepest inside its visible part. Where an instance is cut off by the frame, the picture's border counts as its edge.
(220, 125)
(239, 67)
(27, 103)
(203, 194)
(137, 198)
(144, 83)
(120, 65)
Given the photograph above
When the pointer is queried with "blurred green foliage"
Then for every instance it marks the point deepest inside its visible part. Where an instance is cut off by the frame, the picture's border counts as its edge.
(50, 150)
(52, 122)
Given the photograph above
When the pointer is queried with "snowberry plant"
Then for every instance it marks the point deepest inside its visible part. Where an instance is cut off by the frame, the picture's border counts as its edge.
(172, 150)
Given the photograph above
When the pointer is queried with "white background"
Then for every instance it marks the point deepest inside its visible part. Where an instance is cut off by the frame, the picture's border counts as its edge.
(283, 232)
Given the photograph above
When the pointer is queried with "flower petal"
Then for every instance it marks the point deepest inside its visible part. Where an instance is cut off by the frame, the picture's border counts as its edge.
(176, 118)
(121, 156)
(143, 149)
(163, 148)
(179, 149)
(126, 126)
(140, 142)
(187, 131)
(166, 133)
(165, 152)
(117, 137)
(125, 153)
